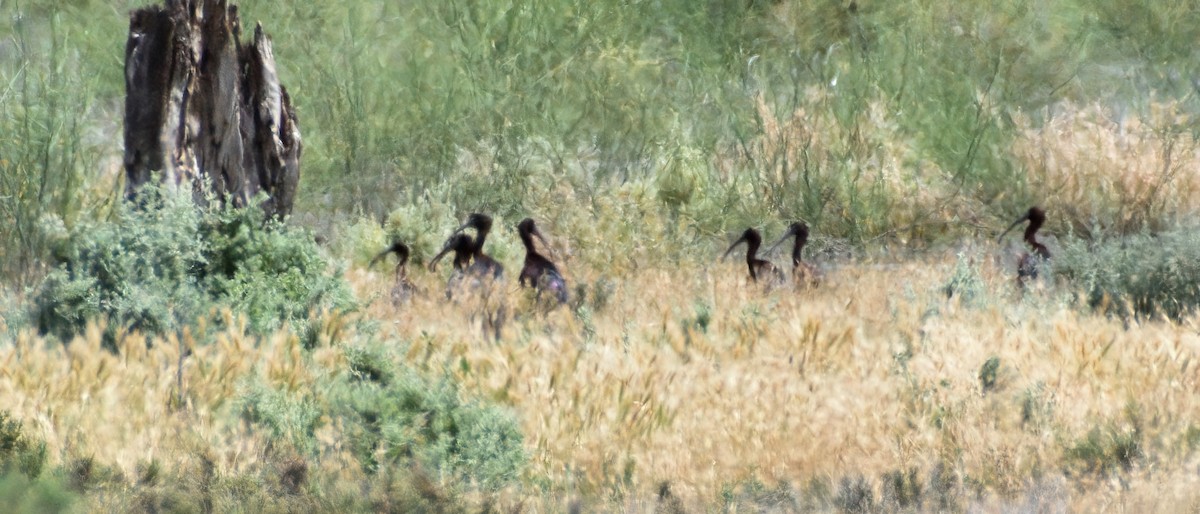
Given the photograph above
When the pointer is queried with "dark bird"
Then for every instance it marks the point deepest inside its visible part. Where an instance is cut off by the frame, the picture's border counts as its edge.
(803, 273)
(461, 245)
(483, 271)
(758, 267)
(403, 289)
(483, 264)
(1027, 267)
(538, 271)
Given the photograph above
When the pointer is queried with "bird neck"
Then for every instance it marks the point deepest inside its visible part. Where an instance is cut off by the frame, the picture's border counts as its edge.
(1031, 240)
(480, 238)
(798, 251)
(752, 251)
(527, 240)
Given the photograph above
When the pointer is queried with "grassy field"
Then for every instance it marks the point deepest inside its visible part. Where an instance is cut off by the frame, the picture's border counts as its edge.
(225, 366)
(871, 391)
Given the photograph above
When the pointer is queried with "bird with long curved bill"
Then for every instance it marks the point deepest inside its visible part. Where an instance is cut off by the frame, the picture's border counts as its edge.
(759, 268)
(482, 272)
(482, 265)
(804, 275)
(403, 288)
(538, 271)
(461, 245)
(1027, 267)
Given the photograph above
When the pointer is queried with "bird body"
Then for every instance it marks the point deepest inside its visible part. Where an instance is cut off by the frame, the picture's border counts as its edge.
(804, 275)
(759, 268)
(461, 245)
(483, 265)
(402, 288)
(538, 271)
(1027, 267)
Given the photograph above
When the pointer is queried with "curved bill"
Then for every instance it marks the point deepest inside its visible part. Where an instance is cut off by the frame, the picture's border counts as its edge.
(734, 245)
(379, 257)
(1014, 225)
(785, 237)
(400, 249)
(538, 233)
(445, 250)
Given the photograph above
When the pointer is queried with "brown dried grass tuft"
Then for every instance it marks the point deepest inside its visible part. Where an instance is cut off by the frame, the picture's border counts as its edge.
(1108, 170)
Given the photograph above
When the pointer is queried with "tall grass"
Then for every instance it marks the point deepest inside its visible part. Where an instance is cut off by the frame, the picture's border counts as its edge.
(639, 134)
(691, 378)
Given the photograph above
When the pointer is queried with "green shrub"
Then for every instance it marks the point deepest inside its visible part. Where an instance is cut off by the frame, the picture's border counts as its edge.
(19, 453)
(23, 488)
(290, 416)
(21, 494)
(45, 151)
(166, 263)
(397, 417)
(1142, 275)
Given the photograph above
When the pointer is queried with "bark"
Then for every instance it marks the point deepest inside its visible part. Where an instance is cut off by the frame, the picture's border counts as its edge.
(201, 105)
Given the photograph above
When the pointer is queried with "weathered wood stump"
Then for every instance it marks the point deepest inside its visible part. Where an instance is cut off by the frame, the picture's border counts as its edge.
(201, 105)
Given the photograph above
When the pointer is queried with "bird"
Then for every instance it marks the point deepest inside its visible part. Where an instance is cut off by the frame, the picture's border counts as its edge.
(803, 274)
(483, 264)
(1027, 267)
(402, 289)
(538, 271)
(483, 271)
(758, 267)
(461, 245)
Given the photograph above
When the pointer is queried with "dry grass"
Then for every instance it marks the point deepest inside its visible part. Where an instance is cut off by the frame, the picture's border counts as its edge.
(875, 372)
(1110, 170)
(691, 377)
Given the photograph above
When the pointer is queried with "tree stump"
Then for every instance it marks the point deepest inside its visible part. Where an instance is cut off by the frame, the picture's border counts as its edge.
(202, 106)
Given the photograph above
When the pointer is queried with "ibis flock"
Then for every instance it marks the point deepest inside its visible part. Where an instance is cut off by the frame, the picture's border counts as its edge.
(475, 269)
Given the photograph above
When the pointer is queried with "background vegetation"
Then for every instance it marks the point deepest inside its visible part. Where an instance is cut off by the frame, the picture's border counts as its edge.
(640, 134)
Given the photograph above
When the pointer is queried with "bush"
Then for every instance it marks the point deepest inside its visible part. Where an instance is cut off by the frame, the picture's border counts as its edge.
(167, 263)
(22, 486)
(1142, 275)
(406, 418)
(19, 453)
(396, 419)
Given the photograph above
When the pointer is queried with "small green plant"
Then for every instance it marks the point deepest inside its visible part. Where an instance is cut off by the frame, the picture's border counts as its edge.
(988, 373)
(1104, 450)
(855, 495)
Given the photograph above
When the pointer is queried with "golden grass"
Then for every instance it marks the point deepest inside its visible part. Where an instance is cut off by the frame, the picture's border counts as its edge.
(1120, 171)
(874, 372)
(694, 377)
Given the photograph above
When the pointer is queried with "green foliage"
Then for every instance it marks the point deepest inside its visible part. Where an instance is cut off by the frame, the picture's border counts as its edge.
(23, 488)
(166, 263)
(966, 283)
(289, 415)
(396, 417)
(45, 148)
(1108, 448)
(19, 453)
(988, 373)
(1143, 275)
(21, 494)
(1105, 450)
